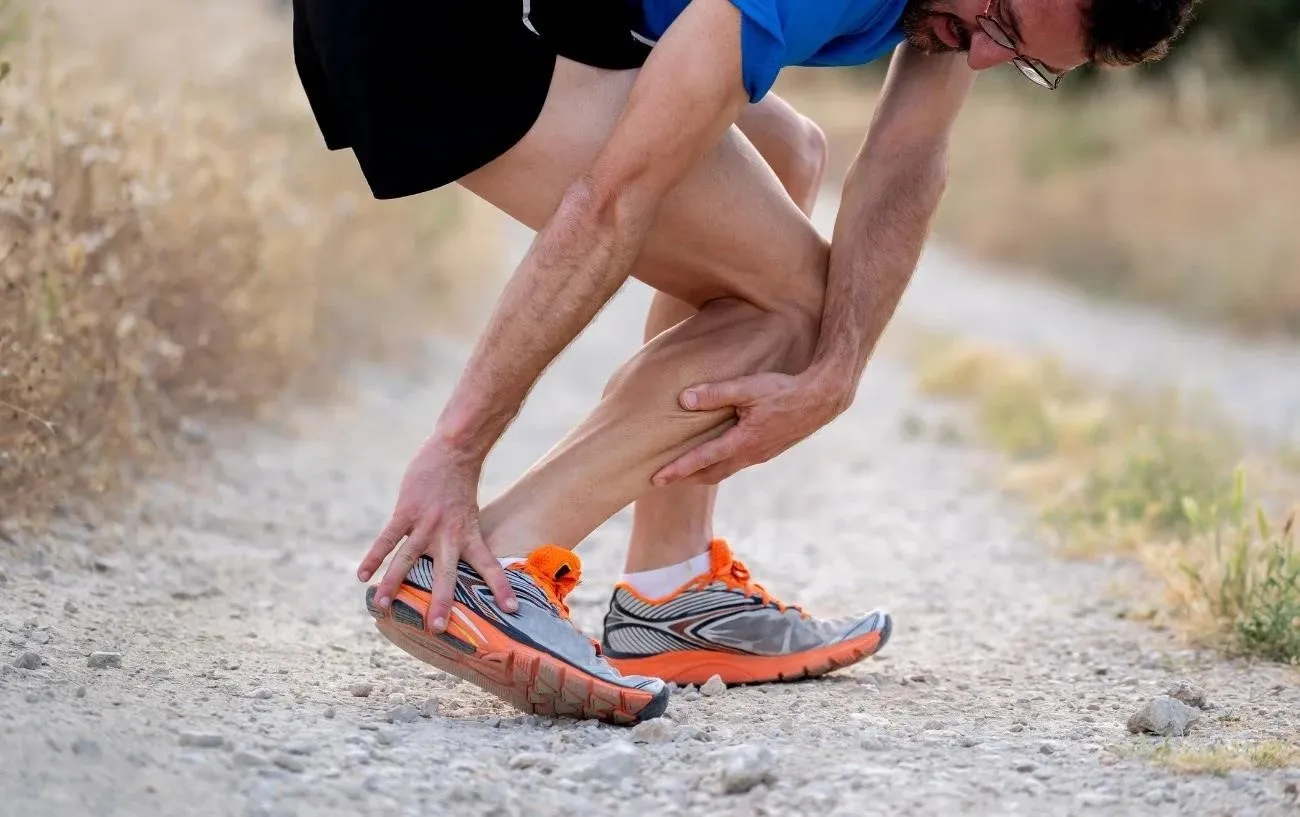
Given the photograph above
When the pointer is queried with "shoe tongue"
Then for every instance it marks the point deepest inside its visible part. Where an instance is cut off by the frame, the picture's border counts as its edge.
(560, 566)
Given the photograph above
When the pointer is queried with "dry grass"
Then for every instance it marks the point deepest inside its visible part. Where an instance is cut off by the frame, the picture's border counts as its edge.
(1144, 477)
(1224, 758)
(1182, 199)
(177, 244)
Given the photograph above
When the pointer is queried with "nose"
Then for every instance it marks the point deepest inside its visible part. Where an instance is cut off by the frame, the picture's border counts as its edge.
(985, 53)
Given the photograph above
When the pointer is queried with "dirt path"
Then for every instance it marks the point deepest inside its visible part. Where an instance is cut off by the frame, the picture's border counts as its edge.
(243, 643)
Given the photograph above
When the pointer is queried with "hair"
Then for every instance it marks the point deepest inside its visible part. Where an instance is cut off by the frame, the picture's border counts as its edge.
(1130, 32)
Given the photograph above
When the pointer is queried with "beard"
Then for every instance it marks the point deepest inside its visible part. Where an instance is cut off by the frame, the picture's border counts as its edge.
(918, 22)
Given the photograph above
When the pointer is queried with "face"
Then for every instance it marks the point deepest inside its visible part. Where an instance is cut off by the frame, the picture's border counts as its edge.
(1049, 32)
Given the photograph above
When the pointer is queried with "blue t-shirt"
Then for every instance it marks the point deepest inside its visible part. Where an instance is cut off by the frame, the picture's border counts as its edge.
(779, 33)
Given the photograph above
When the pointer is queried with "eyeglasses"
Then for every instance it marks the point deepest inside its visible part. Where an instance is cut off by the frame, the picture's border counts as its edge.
(1030, 67)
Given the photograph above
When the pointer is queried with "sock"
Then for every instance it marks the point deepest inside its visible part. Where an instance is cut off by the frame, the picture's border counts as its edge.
(661, 581)
(506, 561)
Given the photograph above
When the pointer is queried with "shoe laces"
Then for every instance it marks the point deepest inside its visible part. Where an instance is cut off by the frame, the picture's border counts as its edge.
(733, 573)
(556, 571)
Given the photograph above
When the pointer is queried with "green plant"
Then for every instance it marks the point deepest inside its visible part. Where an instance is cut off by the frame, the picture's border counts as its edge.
(1251, 582)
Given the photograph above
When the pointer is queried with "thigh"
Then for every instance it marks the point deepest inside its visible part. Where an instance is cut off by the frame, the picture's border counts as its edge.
(727, 230)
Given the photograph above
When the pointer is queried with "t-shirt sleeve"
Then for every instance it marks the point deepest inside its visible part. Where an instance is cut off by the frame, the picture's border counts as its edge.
(762, 45)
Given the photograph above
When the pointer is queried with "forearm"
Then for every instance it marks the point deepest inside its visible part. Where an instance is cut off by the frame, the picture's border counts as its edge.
(883, 221)
(578, 261)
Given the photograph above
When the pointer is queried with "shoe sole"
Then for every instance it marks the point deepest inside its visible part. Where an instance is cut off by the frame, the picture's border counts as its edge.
(532, 681)
(698, 666)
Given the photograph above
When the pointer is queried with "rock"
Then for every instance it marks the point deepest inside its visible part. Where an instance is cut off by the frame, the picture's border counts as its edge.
(289, 763)
(1024, 767)
(1188, 694)
(713, 686)
(70, 608)
(44, 574)
(361, 689)
(248, 759)
(873, 744)
(396, 699)
(1046, 749)
(611, 762)
(28, 660)
(202, 740)
(328, 713)
(261, 694)
(527, 760)
(429, 708)
(403, 713)
(4, 577)
(656, 730)
(86, 748)
(1164, 716)
(104, 659)
(192, 430)
(744, 767)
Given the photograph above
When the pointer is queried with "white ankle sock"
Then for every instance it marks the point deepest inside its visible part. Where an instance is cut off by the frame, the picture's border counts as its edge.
(661, 581)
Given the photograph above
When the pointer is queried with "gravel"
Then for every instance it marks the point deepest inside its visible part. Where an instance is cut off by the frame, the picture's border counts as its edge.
(999, 650)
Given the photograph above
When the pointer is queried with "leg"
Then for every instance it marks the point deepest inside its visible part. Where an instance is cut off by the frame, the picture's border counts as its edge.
(729, 242)
(672, 525)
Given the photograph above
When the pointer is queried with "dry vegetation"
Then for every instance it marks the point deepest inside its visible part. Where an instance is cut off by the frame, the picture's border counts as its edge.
(177, 244)
(1143, 477)
(1183, 198)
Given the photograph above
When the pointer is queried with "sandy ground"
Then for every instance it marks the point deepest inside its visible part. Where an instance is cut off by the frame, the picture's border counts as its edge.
(251, 681)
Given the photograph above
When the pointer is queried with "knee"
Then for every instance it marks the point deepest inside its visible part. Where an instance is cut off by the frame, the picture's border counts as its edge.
(808, 159)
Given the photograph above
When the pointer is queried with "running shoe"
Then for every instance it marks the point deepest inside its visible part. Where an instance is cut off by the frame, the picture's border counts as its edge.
(723, 623)
(536, 658)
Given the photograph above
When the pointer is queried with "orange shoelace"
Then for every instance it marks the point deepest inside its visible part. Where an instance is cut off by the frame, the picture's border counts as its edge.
(733, 573)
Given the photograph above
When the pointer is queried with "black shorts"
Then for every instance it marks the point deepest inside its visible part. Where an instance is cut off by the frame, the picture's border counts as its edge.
(427, 91)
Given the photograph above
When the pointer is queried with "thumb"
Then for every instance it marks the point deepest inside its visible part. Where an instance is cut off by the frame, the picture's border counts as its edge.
(712, 396)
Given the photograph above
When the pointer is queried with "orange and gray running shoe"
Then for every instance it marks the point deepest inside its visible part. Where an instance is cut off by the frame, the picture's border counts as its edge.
(723, 623)
(536, 658)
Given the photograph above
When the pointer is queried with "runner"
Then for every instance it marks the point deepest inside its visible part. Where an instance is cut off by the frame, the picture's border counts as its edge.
(640, 138)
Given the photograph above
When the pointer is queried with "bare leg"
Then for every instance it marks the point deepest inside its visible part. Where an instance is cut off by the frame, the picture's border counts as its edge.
(728, 241)
(670, 525)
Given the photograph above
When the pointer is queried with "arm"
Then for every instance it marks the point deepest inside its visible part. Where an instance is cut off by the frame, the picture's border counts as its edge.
(688, 93)
(890, 196)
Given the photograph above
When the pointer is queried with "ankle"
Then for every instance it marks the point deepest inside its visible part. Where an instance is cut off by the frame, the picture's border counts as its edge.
(661, 581)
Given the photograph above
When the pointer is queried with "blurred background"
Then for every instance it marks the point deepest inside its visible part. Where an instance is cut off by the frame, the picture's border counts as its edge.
(177, 244)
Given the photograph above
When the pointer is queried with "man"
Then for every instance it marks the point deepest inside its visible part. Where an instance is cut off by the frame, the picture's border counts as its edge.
(640, 138)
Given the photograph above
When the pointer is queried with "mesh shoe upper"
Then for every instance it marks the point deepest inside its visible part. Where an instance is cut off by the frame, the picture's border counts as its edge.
(723, 610)
(542, 621)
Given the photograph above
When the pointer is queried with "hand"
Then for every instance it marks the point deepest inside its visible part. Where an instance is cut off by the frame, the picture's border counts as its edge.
(774, 412)
(437, 512)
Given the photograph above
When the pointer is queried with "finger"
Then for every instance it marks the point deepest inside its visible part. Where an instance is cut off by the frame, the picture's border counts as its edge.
(403, 560)
(701, 457)
(392, 533)
(714, 474)
(487, 565)
(444, 581)
(711, 396)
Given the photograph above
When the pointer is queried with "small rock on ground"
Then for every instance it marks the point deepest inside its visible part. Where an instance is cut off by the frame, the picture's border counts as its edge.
(1165, 716)
(744, 767)
(28, 660)
(104, 659)
(713, 686)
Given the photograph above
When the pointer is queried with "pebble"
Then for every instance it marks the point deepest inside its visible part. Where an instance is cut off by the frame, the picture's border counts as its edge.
(261, 694)
(248, 759)
(429, 708)
(104, 659)
(746, 766)
(403, 713)
(361, 689)
(328, 713)
(1165, 716)
(28, 660)
(202, 740)
(713, 686)
(656, 730)
(289, 763)
(70, 608)
(81, 747)
(611, 762)
(1188, 694)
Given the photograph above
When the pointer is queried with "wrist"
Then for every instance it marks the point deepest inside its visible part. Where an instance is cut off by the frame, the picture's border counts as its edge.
(832, 383)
